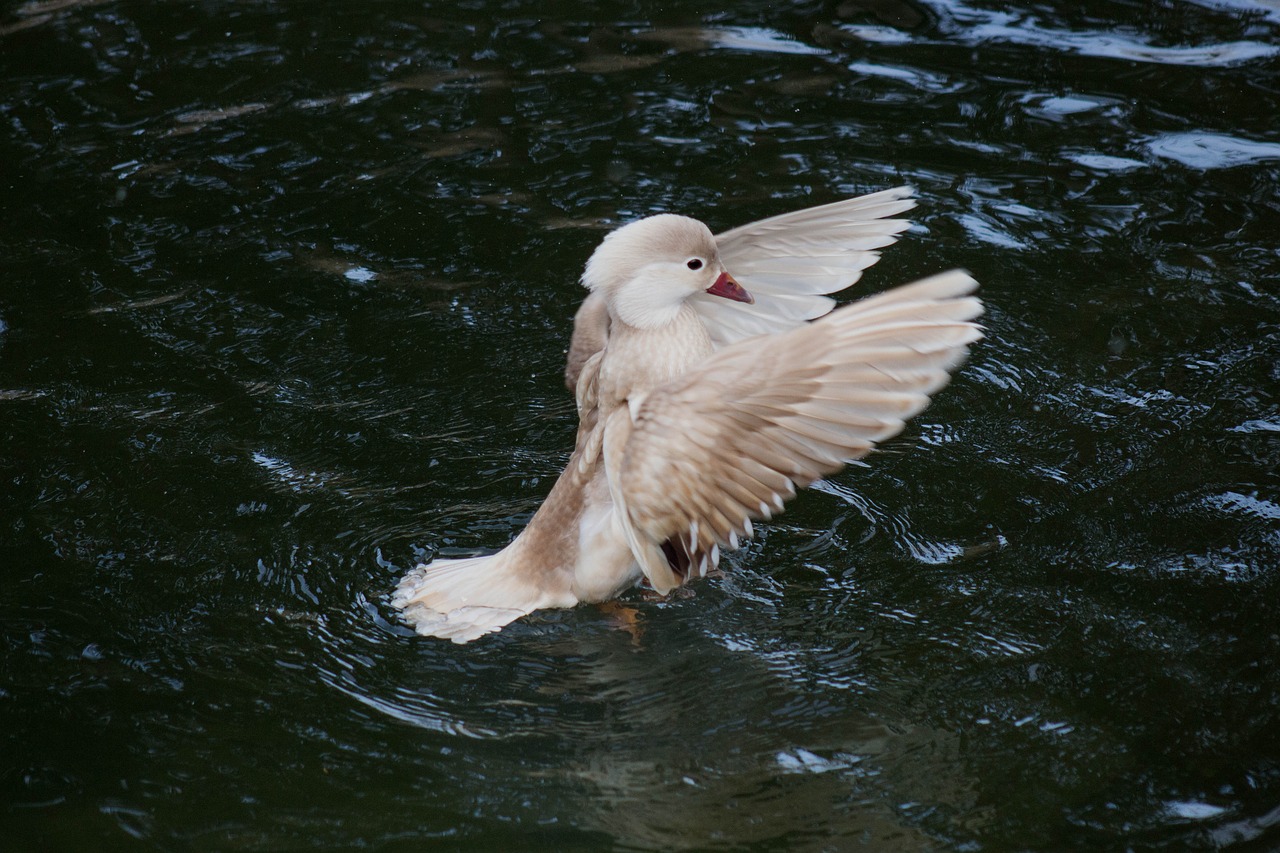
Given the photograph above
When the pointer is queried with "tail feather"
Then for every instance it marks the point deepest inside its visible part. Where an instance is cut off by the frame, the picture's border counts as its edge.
(461, 600)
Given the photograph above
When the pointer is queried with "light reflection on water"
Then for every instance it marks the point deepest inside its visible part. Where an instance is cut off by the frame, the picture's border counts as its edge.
(285, 314)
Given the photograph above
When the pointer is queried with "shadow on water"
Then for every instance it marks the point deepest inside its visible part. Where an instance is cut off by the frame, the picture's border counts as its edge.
(285, 305)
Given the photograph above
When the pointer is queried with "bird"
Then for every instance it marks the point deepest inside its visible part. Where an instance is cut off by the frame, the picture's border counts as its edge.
(713, 377)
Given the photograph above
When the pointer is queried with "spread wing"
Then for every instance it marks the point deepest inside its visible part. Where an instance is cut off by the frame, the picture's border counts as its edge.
(789, 262)
(693, 463)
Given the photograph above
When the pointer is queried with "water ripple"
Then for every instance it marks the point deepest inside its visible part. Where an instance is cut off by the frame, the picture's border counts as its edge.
(972, 25)
(1205, 150)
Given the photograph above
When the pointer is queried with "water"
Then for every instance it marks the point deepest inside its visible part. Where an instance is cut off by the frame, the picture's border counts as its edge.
(285, 297)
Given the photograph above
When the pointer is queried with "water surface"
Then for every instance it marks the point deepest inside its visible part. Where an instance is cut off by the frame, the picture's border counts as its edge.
(286, 291)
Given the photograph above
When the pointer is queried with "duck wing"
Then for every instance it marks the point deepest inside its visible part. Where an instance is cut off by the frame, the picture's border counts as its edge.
(691, 464)
(590, 332)
(788, 263)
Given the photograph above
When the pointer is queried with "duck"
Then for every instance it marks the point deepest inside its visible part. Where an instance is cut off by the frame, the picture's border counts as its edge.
(714, 376)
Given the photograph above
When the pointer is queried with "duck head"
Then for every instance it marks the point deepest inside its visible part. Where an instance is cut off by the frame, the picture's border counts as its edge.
(646, 270)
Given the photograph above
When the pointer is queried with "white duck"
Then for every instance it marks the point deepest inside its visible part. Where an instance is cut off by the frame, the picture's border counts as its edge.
(701, 408)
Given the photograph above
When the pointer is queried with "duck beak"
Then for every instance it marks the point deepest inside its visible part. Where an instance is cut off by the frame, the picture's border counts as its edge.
(728, 288)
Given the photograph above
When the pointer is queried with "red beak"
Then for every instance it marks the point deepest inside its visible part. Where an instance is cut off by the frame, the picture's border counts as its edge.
(728, 288)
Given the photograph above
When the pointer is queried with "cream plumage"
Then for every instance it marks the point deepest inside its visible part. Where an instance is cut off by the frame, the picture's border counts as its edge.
(788, 263)
(687, 432)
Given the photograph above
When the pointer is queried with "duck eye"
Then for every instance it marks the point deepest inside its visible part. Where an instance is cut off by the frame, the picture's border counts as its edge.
(694, 263)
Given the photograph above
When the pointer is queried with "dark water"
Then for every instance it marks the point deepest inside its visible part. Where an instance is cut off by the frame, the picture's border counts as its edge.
(284, 294)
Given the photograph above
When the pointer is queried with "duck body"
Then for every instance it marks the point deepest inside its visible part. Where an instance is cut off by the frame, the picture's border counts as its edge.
(573, 551)
(700, 409)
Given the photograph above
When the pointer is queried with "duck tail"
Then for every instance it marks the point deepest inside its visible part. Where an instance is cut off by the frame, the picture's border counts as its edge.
(461, 600)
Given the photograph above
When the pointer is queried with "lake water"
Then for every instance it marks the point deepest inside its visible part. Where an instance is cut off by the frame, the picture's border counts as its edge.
(285, 296)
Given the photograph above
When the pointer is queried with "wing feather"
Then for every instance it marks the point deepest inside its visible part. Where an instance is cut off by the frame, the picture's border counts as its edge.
(703, 455)
(789, 262)
(590, 331)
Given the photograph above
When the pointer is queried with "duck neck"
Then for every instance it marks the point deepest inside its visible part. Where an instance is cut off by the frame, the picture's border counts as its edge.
(639, 360)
